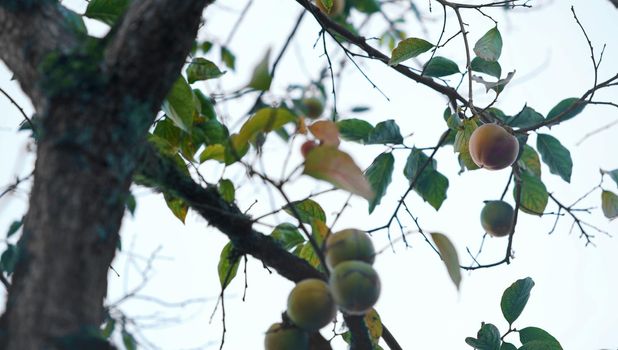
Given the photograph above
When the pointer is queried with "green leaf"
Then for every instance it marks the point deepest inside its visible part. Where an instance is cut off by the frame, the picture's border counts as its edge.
(613, 174)
(9, 259)
(229, 260)
(462, 139)
(205, 46)
(609, 203)
(15, 226)
(213, 132)
(466, 162)
(264, 120)
(448, 253)
(328, 4)
(409, 48)
(439, 67)
(226, 190)
(169, 134)
(179, 106)
(106, 11)
(261, 78)
(432, 188)
(366, 6)
(515, 297)
(534, 196)
(354, 130)
(385, 132)
(508, 346)
(360, 109)
(541, 345)
(108, 329)
(526, 118)
(287, 235)
(454, 122)
(489, 46)
(379, 174)
(530, 161)
(228, 58)
(337, 167)
(530, 334)
(214, 152)
(431, 185)
(202, 69)
(178, 207)
(566, 109)
(207, 108)
(307, 211)
(498, 114)
(492, 68)
(487, 338)
(128, 340)
(234, 150)
(130, 203)
(555, 155)
(75, 21)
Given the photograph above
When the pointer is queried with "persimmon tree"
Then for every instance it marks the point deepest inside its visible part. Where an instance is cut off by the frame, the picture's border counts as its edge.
(132, 108)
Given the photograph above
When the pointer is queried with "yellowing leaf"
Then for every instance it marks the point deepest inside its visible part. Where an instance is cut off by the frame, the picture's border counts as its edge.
(178, 207)
(374, 325)
(215, 152)
(337, 167)
(308, 253)
(264, 120)
(326, 131)
(449, 256)
(319, 230)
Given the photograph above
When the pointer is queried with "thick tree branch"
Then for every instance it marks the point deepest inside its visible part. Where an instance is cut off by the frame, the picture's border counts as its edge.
(151, 36)
(27, 36)
(162, 173)
(157, 171)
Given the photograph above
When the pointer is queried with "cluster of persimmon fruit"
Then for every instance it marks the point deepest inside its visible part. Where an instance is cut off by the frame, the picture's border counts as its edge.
(353, 286)
(492, 147)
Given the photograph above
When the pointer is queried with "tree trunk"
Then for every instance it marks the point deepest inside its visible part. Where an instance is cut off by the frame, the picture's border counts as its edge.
(95, 101)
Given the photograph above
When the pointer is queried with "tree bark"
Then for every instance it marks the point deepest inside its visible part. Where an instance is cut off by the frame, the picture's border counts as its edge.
(93, 121)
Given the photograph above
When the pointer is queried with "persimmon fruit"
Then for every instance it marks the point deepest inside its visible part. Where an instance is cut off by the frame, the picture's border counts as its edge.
(349, 244)
(311, 305)
(492, 147)
(497, 218)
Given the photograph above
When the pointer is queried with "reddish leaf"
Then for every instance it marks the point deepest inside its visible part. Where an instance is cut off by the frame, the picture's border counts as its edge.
(332, 165)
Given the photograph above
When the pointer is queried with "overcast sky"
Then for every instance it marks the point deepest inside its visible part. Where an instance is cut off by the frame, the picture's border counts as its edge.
(576, 286)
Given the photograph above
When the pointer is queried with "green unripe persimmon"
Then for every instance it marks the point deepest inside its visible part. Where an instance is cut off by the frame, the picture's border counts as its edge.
(497, 218)
(349, 244)
(279, 337)
(311, 305)
(313, 106)
(355, 286)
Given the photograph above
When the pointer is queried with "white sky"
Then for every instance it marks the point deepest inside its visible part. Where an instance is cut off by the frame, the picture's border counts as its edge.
(576, 286)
